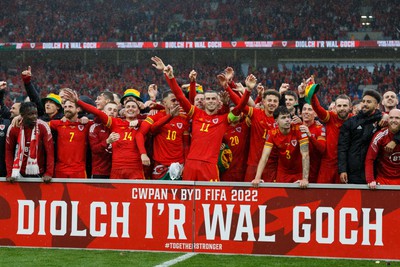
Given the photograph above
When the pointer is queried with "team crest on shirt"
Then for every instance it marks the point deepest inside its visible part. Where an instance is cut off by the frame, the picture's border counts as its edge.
(238, 129)
(2, 126)
(179, 125)
(215, 121)
(293, 142)
(81, 127)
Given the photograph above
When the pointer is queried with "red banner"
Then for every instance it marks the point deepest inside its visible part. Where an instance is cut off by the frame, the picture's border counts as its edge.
(275, 219)
(336, 44)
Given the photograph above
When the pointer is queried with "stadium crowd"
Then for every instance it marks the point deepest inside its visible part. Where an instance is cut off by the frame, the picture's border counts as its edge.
(76, 21)
(91, 80)
(192, 132)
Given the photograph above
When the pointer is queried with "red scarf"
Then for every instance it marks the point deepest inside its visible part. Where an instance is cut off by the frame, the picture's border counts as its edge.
(32, 167)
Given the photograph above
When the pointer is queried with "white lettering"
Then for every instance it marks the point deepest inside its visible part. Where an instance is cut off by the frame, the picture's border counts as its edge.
(218, 217)
(342, 231)
(305, 227)
(74, 220)
(62, 205)
(244, 218)
(103, 211)
(22, 230)
(367, 227)
(124, 219)
(331, 225)
(176, 222)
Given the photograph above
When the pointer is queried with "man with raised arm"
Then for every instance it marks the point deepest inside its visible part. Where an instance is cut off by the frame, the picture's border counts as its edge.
(317, 140)
(262, 120)
(126, 159)
(333, 120)
(208, 127)
(170, 130)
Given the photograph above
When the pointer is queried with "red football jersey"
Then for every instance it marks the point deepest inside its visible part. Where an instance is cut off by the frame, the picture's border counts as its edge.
(289, 156)
(72, 141)
(387, 164)
(125, 153)
(207, 134)
(168, 141)
(237, 138)
(329, 159)
(101, 155)
(317, 146)
(260, 125)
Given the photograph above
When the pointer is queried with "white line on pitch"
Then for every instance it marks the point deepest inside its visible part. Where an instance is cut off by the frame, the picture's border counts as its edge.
(176, 260)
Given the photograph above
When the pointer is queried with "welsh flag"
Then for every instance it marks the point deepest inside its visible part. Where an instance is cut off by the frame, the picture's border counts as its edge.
(311, 89)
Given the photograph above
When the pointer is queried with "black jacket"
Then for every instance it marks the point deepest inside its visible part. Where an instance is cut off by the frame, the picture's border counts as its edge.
(34, 96)
(4, 124)
(354, 138)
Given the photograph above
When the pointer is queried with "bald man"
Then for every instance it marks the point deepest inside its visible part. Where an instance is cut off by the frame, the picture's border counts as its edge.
(387, 164)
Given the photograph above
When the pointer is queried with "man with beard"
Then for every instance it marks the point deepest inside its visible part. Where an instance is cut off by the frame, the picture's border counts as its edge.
(389, 101)
(29, 148)
(72, 143)
(355, 136)
(386, 170)
(333, 120)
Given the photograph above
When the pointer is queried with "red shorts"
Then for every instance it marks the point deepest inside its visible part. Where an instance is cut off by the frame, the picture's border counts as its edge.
(196, 170)
(328, 175)
(233, 176)
(268, 175)
(283, 177)
(80, 174)
(127, 173)
(387, 181)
